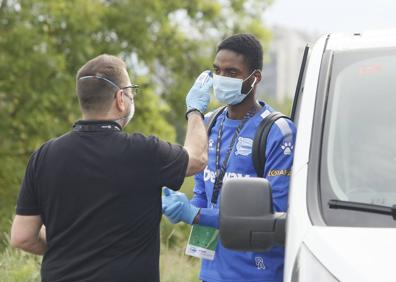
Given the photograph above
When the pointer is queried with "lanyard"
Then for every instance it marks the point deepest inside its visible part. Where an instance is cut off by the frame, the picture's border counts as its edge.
(221, 169)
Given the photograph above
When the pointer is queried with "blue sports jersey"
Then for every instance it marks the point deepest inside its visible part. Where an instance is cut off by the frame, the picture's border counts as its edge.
(228, 265)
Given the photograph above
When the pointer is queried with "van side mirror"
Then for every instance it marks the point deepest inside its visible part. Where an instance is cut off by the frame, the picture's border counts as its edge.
(247, 219)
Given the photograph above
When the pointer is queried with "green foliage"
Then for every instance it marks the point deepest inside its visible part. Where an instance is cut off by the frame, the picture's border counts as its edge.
(175, 266)
(284, 106)
(18, 266)
(43, 43)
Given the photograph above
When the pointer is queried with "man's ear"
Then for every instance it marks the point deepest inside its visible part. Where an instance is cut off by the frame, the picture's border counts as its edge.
(120, 101)
(258, 77)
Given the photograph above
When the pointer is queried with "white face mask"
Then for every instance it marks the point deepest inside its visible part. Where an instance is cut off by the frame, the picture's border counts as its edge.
(127, 118)
(131, 112)
(228, 90)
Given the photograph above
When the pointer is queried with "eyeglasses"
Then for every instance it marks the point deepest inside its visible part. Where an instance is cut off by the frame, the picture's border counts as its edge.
(134, 88)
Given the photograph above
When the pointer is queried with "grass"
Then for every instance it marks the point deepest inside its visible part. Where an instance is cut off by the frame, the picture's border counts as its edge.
(175, 266)
(18, 266)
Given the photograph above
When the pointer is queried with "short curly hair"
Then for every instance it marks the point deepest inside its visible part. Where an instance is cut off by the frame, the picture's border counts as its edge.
(247, 45)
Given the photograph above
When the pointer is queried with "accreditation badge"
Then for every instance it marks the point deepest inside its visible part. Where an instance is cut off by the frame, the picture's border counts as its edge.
(202, 242)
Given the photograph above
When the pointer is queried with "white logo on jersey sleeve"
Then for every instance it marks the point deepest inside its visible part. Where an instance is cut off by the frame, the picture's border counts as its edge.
(287, 148)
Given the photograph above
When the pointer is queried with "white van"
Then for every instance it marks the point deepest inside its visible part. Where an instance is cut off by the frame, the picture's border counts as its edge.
(341, 221)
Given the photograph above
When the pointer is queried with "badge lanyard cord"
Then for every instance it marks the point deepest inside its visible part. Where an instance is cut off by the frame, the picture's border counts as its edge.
(221, 169)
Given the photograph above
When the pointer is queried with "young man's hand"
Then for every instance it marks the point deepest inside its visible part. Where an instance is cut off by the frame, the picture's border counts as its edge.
(177, 207)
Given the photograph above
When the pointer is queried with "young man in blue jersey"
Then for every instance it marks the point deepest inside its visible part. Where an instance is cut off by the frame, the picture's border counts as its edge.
(237, 71)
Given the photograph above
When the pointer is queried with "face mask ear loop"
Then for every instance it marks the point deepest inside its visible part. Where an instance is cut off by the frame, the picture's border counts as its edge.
(252, 85)
(255, 79)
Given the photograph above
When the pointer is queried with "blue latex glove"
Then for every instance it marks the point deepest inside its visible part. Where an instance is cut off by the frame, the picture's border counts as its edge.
(172, 209)
(199, 95)
(177, 207)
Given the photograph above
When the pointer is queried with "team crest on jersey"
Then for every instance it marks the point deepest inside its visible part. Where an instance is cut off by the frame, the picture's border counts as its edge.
(244, 146)
(287, 148)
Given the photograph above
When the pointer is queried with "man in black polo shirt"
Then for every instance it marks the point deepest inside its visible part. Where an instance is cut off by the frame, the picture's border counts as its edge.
(90, 201)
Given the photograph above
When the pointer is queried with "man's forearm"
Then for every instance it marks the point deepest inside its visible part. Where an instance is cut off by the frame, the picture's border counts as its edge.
(196, 144)
(37, 247)
(28, 234)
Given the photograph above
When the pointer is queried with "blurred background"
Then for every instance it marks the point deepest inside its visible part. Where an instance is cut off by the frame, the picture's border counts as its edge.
(166, 44)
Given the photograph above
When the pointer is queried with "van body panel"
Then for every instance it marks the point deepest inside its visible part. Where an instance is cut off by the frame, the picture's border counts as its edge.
(354, 254)
(364, 40)
(298, 220)
(348, 253)
(305, 117)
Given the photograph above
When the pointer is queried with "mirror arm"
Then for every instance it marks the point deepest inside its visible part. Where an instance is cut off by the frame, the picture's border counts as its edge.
(280, 229)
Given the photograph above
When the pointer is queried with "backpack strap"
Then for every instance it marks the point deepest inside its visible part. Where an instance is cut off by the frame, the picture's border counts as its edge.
(213, 117)
(260, 141)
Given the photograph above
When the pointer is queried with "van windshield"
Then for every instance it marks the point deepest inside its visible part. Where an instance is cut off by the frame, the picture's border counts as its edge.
(359, 139)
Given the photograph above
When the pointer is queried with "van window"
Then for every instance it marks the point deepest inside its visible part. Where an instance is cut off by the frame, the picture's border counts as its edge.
(359, 139)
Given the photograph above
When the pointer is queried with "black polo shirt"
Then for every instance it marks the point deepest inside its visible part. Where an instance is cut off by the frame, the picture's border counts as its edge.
(98, 191)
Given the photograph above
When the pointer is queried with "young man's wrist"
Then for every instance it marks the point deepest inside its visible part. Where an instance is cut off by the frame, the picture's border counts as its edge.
(196, 218)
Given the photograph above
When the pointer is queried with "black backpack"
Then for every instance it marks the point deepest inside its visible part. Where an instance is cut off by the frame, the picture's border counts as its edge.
(260, 138)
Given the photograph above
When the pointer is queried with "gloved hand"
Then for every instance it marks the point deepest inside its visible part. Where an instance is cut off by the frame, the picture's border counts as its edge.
(199, 95)
(171, 208)
(177, 207)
